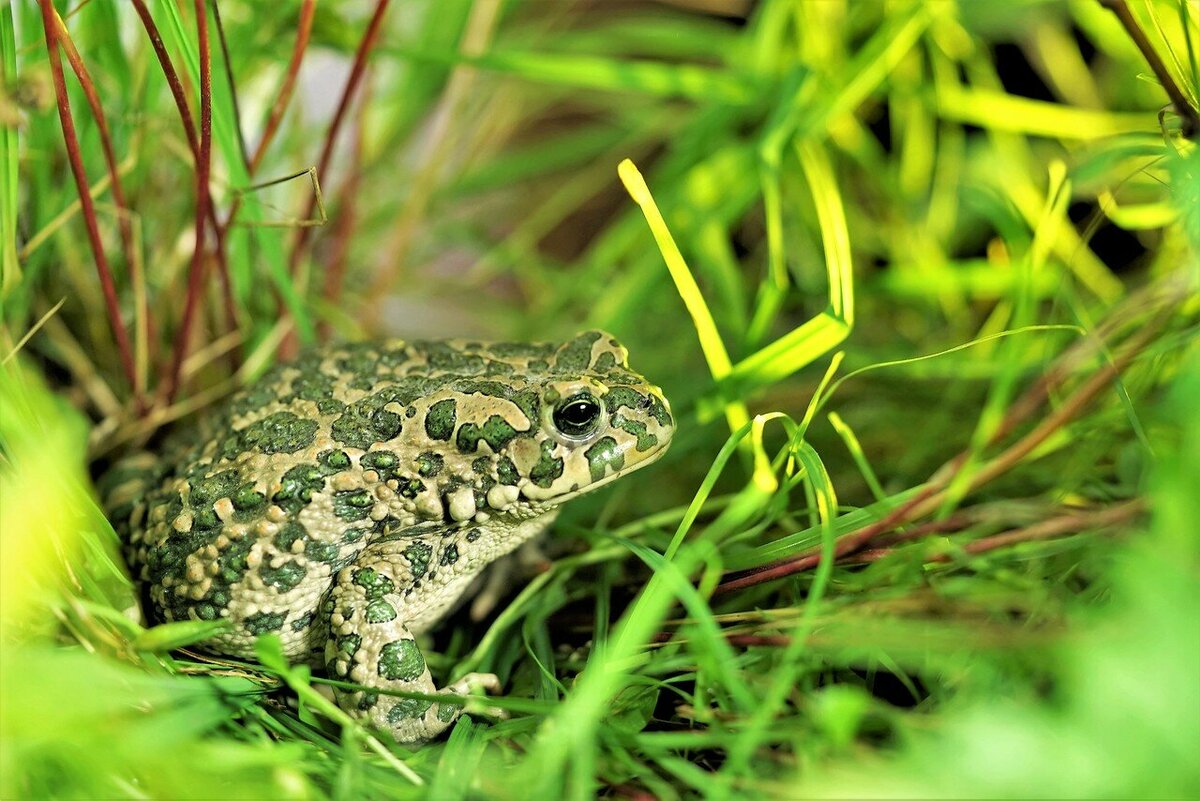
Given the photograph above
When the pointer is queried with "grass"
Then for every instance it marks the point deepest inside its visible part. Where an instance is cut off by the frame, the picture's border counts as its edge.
(920, 280)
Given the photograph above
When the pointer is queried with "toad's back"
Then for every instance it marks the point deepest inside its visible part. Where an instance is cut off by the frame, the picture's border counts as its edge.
(452, 452)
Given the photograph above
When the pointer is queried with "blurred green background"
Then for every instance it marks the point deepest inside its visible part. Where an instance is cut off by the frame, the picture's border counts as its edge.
(923, 294)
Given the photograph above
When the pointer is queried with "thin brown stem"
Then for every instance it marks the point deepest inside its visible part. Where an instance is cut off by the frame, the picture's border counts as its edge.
(1188, 115)
(233, 93)
(189, 130)
(347, 218)
(196, 273)
(168, 70)
(844, 545)
(356, 73)
(1043, 530)
(71, 139)
(110, 158)
(284, 95)
(124, 218)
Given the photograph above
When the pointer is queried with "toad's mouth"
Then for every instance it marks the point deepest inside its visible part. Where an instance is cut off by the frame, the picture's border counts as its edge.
(644, 458)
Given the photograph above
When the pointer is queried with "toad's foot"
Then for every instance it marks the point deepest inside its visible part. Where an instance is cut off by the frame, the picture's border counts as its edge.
(370, 644)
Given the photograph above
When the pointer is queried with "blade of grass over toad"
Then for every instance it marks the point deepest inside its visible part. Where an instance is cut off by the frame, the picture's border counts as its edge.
(706, 330)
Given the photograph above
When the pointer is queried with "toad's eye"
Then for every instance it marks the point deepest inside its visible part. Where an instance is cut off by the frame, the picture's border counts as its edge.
(578, 415)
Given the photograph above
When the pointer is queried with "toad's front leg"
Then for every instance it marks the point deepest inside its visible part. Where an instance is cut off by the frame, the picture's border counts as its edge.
(370, 610)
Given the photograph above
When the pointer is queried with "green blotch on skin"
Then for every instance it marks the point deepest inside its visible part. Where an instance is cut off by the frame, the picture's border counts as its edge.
(441, 419)
(605, 362)
(361, 360)
(548, 467)
(382, 462)
(206, 611)
(401, 661)
(659, 411)
(603, 454)
(374, 583)
(506, 472)
(281, 432)
(380, 612)
(258, 395)
(298, 485)
(448, 711)
(430, 464)
(288, 535)
(247, 498)
(624, 396)
(576, 356)
(264, 622)
(207, 489)
(319, 551)
(313, 385)
(379, 460)
(330, 406)
(408, 709)
(642, 404)
(645, 441)
(303, 622)
(409, 487)
(368, 700)
(495, 431)
(285, 577)
(334, 461)
(366, 421)
(352, 505)
(418, 555)
(450, 555)
(348, 644)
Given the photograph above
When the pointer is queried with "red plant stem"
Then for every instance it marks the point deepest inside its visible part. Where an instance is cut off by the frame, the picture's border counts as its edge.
(1188, 116)
(71, 139)
(110, 157)
(233, 93)
(284, 96)
(846, 544)
(168, 69)
(202, 200)
(347, 217)
(356, 73)
(1044, 530)
(189, 130)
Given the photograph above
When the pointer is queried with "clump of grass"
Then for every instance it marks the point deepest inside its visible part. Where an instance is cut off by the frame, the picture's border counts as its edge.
(929, 331)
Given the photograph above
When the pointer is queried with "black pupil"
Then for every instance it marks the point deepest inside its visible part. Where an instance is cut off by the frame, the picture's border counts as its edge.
(577, 415)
